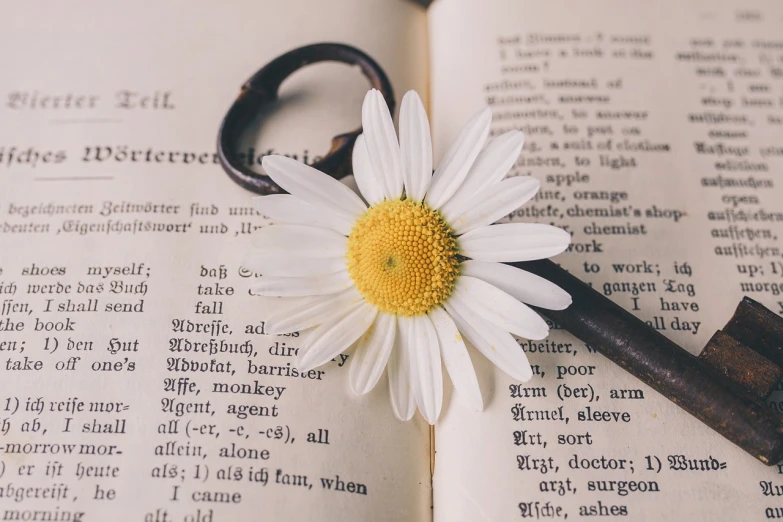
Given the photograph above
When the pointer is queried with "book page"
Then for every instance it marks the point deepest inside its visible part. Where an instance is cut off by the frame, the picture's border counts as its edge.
(656, 129)
(137, 382)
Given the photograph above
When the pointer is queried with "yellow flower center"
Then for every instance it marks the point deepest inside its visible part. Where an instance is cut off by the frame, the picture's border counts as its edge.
(402, 256)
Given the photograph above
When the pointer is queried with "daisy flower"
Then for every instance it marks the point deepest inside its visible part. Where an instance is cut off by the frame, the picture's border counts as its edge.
(416, 267)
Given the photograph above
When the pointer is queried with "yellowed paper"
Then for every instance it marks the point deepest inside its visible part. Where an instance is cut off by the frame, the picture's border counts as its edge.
(136, 379)
(656, 131)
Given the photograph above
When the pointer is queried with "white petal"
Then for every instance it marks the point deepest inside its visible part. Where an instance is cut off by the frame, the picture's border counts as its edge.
(491, 165)
(426, 373)
(312, 311)
(455, 164)
(496, 306)
(494, 202)
(400, 390)
(382, 145)
(335, 336)
(415, 146)
(372, 354)
(370, 184)
(528, 288)
(288, 209)
(284, 265)
(509, 242)
(495, 344)
(314, 187)
(456, 358)
(350, 181)
(299, 241)
(280, 308)
(276, 286)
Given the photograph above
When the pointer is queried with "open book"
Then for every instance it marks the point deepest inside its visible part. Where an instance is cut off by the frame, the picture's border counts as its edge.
(137, 381)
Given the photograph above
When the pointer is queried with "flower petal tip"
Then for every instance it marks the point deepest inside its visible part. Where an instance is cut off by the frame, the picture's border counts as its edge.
(372, 93)
(516, 138)
(360, 390)
(475, 401)
(268, 160)
(564, 234)
(303, 366)
(274, 330)
(402, 417)
(538, 335)
(411, 94)
(563, 238)
(526, 378)
(431, 417)
(563, 302)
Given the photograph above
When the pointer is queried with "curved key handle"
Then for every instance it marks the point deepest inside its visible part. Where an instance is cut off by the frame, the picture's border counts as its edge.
(261, 89)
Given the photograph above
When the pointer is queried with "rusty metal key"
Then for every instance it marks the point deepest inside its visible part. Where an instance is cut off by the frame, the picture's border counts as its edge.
(724, 387)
